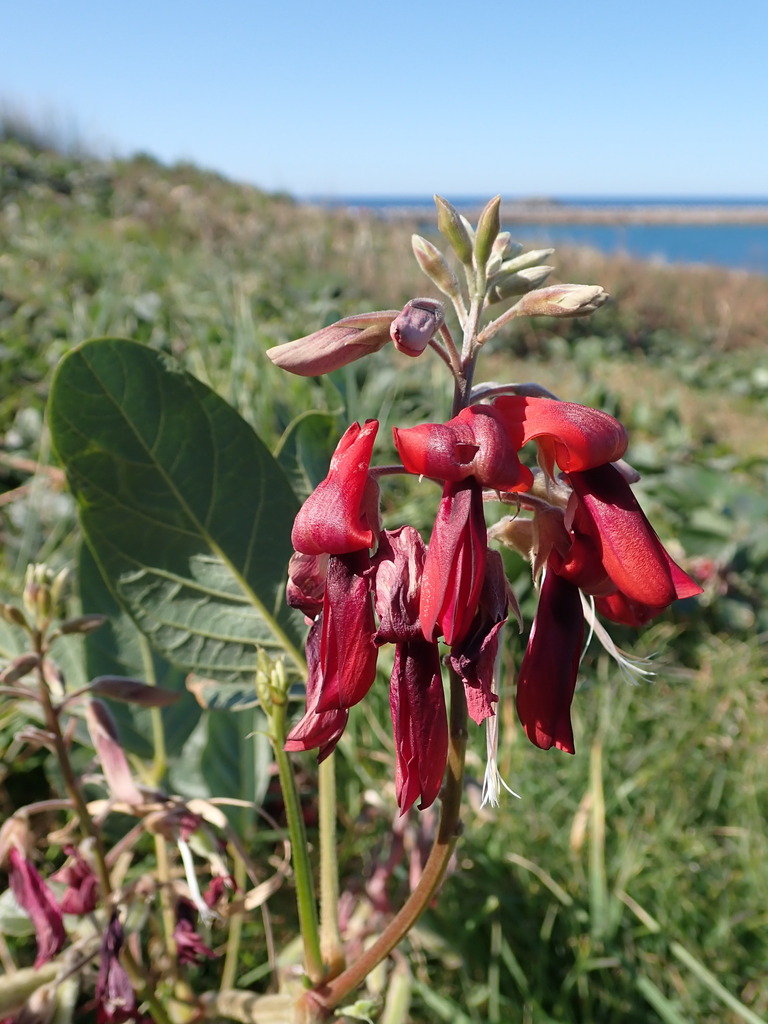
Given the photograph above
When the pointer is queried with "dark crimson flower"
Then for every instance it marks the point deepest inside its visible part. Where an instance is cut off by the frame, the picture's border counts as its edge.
(82, 892)
(454, 568)
(417, 704)
(341, 514)
(547, 677)
(631, 552)
(474, 657)
(115, 998)
(34, 896)
(396, 572)
(189, 945)
(575, 437)
(475, 443)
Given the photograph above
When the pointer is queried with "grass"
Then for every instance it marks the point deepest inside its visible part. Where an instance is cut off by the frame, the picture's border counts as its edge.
(629, 882)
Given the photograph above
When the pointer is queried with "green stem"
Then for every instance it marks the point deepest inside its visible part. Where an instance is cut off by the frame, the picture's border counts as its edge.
(305, 896)
(330, 937)
(234, 934)
(324, 998)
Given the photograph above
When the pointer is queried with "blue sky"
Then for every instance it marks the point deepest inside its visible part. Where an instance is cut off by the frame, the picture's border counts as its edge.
(409, 98)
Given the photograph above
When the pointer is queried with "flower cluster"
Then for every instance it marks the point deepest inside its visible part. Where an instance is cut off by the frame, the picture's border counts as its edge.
(589, 543)
(362, 586)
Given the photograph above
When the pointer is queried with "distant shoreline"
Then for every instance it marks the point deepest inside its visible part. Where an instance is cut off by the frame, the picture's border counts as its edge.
(544, 212)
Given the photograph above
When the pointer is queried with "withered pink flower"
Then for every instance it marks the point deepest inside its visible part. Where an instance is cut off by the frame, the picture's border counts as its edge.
(547, 677)
(82, 892)
(34, 896)
(631, 552)
(575, 437)
(336, 345)
(474, 443)
(341, 514)
(454, 568)
(115, 998)
(189, 945)
(306, 582)
(414, 327)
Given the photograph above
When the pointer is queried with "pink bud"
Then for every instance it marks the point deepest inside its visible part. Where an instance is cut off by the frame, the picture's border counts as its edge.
(415, 326)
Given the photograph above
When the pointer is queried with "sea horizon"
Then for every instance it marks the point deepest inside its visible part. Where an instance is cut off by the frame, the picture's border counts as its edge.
(703, 234)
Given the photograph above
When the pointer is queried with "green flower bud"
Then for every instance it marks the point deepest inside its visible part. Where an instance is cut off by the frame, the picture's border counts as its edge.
(435, 265)
(453, 227)
(518, 284)
(487, 229)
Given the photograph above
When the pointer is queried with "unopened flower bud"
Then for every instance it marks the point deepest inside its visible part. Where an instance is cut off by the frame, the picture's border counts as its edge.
(453, 227)
(415, 326)
(563, 300)
(18, 668)
(336, 345)
(487, 229)
(508, 285)
(515, 533)
(523, 260)
(499, 250)
(434, 265)
(114, 764)
(13, 615)
(82, 624)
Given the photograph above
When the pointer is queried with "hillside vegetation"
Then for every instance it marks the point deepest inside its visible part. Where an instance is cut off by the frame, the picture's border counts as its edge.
(628, 883)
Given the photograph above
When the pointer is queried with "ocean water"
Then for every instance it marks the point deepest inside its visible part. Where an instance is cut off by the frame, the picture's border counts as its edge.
(734, 246)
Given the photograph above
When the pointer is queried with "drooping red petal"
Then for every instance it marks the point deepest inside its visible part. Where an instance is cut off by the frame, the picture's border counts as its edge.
(417, 704)
(455, 564)
(619, 608)
(315, 729)
(574, 436)
(474, 443)
(547, 677)
(347, 649)
(336, 517)
(474, 658)
(631, 552)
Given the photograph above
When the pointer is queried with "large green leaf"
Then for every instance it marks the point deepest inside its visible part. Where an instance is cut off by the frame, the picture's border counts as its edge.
(187, 514)
(119, 649)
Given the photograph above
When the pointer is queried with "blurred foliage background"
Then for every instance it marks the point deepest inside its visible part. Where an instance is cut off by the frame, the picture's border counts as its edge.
(628, 883)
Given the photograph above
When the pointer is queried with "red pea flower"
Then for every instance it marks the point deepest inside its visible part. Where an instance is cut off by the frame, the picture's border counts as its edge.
(454, 568)
(575, 437)
(341, 514)
(34, 896)
(631, 552)
(547, 677)
(474, 443)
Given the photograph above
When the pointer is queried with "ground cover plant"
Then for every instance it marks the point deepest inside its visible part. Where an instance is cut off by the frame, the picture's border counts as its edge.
(628, 882)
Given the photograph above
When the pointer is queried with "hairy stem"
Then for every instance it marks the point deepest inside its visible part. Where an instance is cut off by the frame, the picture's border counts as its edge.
(330, 938)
